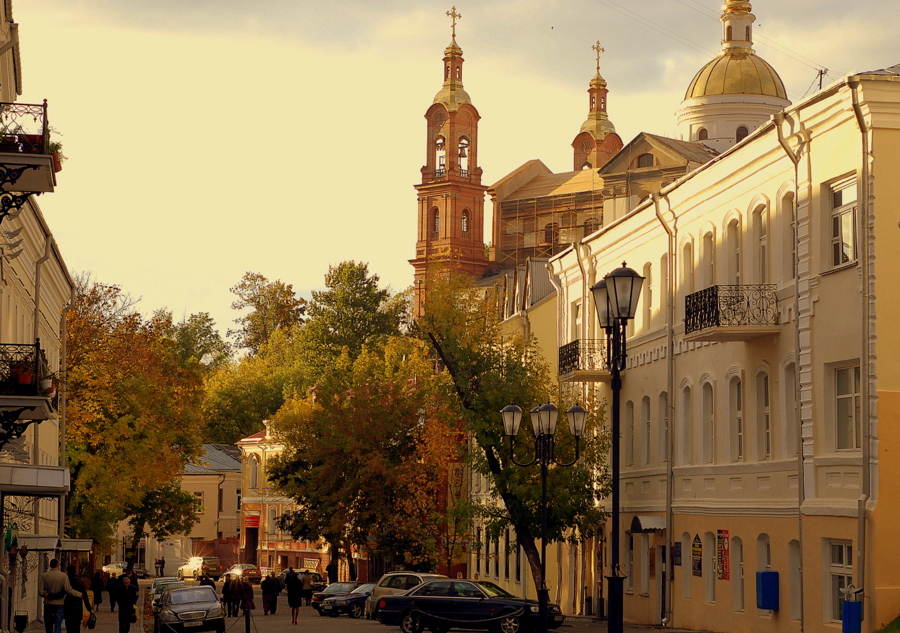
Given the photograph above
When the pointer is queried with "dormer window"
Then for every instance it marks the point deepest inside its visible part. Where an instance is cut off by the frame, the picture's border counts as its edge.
(645, 160)
(703, 134)
(741, 134)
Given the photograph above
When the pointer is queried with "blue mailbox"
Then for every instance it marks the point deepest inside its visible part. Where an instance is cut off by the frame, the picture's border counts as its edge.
(767, 590)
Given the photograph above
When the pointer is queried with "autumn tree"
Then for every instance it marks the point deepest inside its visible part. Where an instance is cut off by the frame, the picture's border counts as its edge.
(488, 369)
(132, 414)
(272, 305)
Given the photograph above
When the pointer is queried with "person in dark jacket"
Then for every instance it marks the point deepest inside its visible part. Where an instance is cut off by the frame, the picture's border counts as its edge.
(112, 587)
(73, 608)
(294, 594)
(97, 588)
(226, 597)
(126, 599)
(270, 589)
(209, 582)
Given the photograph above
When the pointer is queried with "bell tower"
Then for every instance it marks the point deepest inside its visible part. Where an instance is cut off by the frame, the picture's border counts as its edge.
(450, 237)
(597, 140)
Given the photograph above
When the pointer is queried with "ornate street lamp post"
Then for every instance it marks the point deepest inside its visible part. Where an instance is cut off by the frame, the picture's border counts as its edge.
(543, 422)
(615, 298)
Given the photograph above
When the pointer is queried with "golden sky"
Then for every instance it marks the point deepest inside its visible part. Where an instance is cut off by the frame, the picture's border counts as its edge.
(207, 138)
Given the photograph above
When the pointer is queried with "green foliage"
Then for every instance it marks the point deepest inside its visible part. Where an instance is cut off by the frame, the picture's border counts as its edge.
(273, 305)
(488, 369)
(164, 511)
(198, 341)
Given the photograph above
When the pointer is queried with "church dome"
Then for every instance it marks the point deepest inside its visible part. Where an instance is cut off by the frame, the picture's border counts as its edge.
(739, 72)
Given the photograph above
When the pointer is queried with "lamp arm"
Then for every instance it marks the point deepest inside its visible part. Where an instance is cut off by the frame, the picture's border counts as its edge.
(512, 455)
(577, 455)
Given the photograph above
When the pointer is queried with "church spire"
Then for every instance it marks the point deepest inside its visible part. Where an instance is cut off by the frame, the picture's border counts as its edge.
(452, 93)
(591, 148)
(737, 26)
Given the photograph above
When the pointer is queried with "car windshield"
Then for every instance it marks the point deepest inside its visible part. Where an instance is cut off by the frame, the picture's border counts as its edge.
(364, 588)
(193, 594)
(494, 591)
(340, 587)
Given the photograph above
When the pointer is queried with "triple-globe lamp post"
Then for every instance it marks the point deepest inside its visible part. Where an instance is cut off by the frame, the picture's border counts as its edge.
(616, 299)
(543, 422)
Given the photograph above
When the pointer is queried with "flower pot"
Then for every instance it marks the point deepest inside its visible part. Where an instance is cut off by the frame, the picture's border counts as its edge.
(57, 163)
(47, 386)
(25, 377)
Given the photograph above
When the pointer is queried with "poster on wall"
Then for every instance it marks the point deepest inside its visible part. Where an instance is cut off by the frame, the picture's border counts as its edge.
(723, 556)
(697, 556)
(676, 553)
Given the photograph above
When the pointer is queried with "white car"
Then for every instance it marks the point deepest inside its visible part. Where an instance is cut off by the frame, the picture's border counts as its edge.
(199, 566)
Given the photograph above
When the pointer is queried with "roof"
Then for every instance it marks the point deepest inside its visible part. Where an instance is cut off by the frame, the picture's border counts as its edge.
(737, 71)
(557, 184)
(256, 437)
(890, 70)
(214, 460)
(694, 151)
(677, 151)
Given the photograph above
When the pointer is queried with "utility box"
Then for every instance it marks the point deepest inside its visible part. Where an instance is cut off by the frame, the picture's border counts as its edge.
(852, 617)
(767, 590)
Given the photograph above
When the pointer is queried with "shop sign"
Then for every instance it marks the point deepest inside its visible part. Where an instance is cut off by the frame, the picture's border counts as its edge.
(723, 555)
(251, 521)
(697, 556)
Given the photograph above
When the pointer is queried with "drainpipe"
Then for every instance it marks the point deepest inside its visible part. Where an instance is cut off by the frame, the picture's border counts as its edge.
(666, 616)
(801, 486)
(865, 370)
(36, 445)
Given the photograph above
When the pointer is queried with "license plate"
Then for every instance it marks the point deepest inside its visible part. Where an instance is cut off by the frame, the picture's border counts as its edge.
(557, 618)
(197, 623)
(326, 606)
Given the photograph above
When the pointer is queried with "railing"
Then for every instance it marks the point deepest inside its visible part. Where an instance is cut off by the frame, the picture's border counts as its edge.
(583, 355)
(731, 306)
(440, 173)
(464, 173)
(23, 367)
(24, 128)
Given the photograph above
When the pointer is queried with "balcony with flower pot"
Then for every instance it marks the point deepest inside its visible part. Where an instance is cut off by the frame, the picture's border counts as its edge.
(27, 386)
(27, 163)
(731, 313)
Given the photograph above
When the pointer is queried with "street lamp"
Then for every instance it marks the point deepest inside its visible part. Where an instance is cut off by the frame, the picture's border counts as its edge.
(543, 422)
(615, 298)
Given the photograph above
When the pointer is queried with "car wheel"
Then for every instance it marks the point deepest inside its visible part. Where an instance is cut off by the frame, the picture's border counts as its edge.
(411, 623)
(510, 624)
(356, 610)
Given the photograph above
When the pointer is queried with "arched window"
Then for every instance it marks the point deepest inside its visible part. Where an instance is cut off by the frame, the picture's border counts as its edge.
(272, 519)
(709, 425)
(763, 559)
(465, 222)
(708, 260)
(253, 468)
(729, 33)
(436, 223)
(761, 237)
(648, 297)
(737, 574)
(593, 102)
(662, 428)
(763, 416)
(703, 134)
(645, 160)
(687, 424)
(551, 233)
(463, 157)
(591, 225)
(440, 155)
(736, 419)
(645, 430)
(734, 249)
(789, 222)
(741, 134)
(629, 433)
(447, 72)
(687, 274)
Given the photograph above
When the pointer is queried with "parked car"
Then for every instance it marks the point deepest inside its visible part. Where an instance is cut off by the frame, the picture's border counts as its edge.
(119, 567)
(197, 566)
(183, 609)
(334, 589)
(159, 586)
(353, 604)
(318, 582)
(245, 570)
(467, 604)
(395, 582)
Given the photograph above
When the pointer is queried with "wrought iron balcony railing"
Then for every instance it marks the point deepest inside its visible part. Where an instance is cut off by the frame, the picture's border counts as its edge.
(584, 357)
(24, 371)
(752, 309)
(24, 128)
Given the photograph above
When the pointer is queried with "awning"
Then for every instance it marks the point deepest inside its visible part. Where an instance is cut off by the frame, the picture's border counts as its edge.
(38, 481)
(38, 542)
(647, 523)
(76, 544)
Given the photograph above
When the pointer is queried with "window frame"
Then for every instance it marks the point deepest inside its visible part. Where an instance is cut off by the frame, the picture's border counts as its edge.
(856, 378)
(843, 216)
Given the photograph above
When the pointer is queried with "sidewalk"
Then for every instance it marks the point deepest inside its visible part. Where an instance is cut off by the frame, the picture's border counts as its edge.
(583, 624)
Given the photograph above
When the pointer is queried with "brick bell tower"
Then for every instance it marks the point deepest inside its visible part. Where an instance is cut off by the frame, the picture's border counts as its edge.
(450, 237)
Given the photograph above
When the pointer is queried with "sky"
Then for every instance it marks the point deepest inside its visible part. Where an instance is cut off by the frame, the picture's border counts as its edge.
(208, 138)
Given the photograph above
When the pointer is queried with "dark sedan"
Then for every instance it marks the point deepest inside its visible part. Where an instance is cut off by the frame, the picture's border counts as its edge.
(184, 609)
(468, 604)
(353, 604)
(334, 589)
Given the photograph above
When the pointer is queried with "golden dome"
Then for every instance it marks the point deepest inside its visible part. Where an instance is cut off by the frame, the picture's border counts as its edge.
(737, 71)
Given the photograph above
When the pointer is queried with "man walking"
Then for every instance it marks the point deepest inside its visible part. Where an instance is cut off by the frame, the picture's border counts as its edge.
(53, 587)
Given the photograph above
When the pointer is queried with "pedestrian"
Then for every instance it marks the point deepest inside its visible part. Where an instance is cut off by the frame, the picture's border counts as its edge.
(53, 587)
(294, 595)
(126, 598)
(332, 570)
(306, 581)
(162, 566)
(242, 592)
(270, 589)
(112, 587)
(97, 588)
(73, 608)
(209, 582)
(226, 597)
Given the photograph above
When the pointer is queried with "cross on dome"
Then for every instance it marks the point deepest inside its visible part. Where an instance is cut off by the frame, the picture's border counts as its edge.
(600, 50)
(452, 13)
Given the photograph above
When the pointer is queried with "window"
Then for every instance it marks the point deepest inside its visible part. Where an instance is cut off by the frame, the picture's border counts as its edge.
(710, 567)
(463, 157)
(736, 414)
(703, 134)
(591, 225)
(465, 222)
(663, 415)
(645, 160)
(847, 403)
(761, 234)
(506, 554)
(795, 574)
(789, 221)
(843, 222)
(734, 247)
(645, 564)
(518, 562)
(737, 574)
(551, 233)
(440, 154)
(435, 222)
(791, 422)
(648, 296)
(629, 566)
(763, 416)
(840, 571)
(497, 557)
(238, 498)
(645, 429)
(687, 423)
(199, 496)
(273, 519)
(708, 260)
(740, 134)
(221, 501)
(729, 33)
(487, 553)
(629, 433)
(686, 561)
(253, 467)
(709, 425)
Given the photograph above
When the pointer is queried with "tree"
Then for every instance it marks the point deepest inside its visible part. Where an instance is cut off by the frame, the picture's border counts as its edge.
(198, 340)
(273, 305)
(162, 512)
(488, 369)
(355, 457)
(132, 417)
(352, 313)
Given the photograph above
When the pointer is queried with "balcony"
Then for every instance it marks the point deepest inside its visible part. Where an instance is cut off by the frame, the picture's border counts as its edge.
(26, 159)
(731, 313)
(27, 389)
(583, 361)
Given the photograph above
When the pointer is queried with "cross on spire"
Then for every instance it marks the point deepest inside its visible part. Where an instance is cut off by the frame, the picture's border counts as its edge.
(454, 16)
(600, 50)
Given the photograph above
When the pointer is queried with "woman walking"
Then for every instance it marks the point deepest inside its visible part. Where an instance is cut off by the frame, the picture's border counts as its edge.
(97, 588)
(294, 595)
